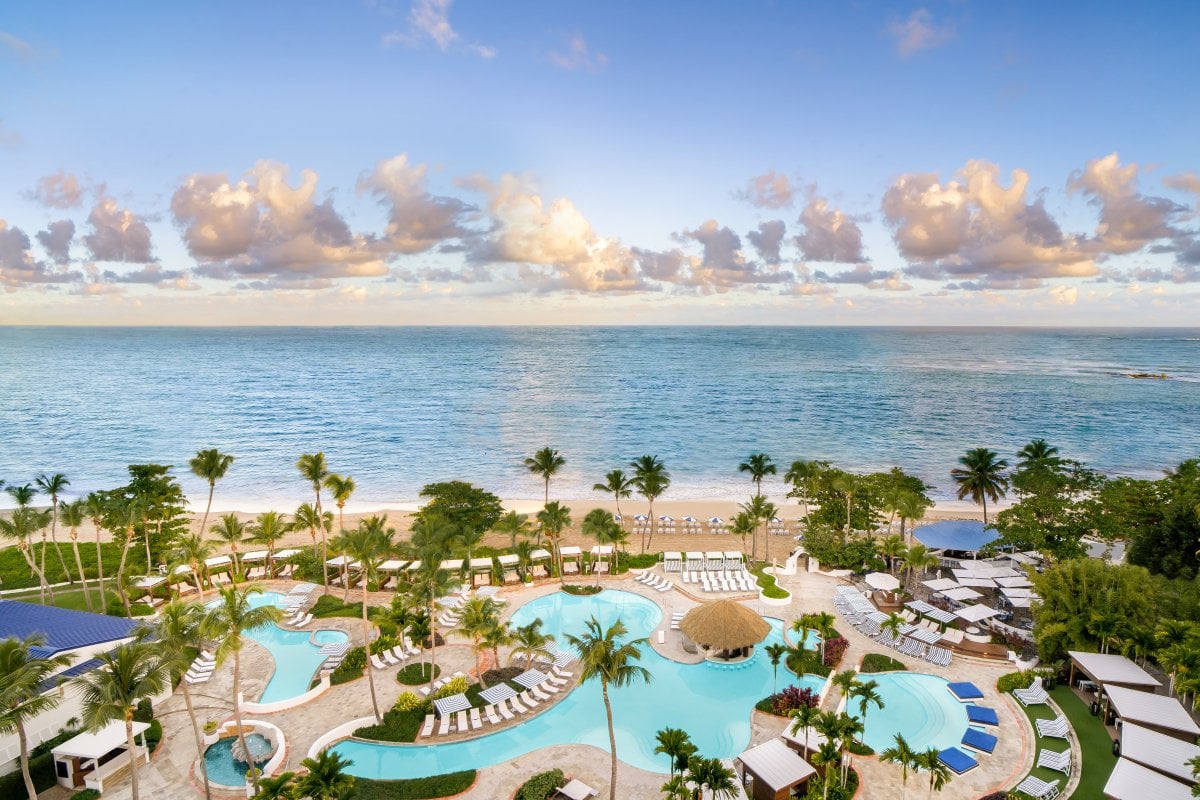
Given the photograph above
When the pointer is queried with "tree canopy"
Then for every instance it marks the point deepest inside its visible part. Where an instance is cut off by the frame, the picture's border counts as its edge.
(462, 504)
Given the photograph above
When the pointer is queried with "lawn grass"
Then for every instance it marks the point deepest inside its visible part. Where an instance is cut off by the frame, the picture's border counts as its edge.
(770, 588)
(1094, 744)
(63, 598)
(878, 662)
(14, 572)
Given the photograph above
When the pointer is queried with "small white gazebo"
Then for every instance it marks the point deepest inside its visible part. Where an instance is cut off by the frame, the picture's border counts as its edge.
(509, 563)
(77, 760)
(570, 555)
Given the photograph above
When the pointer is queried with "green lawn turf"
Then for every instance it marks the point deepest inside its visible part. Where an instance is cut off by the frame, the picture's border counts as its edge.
(1094, 743)
(63, 598)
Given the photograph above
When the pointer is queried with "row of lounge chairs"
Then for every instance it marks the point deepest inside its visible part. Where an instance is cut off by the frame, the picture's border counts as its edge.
(299, 619)
(722, 581)
(866, 619)
(652, 580)
(201, 669)
(676, 618)
(397, 655)
(472, 719)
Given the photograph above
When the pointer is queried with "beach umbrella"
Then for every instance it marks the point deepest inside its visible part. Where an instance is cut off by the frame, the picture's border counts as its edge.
(616, 517)
(690, 518)
(715, 521)
(641, 517)
(665, 518)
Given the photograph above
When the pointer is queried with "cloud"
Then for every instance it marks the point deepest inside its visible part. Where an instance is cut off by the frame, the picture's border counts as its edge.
(60, 190)
(722, 264)
(151, 274)
(262, 226)
(429, 21)
(1064, 295)
(769, 190)
(976, 228)
(117, 234)
(20, 50)
(1128, 220)
(416, 220)
(10, 139)
(1187, 182)
(56, 240)
(19, 269)
(829, 235)
(578, 56)
(661, 265)
(863, 275)
(918, 32)
(767, 239)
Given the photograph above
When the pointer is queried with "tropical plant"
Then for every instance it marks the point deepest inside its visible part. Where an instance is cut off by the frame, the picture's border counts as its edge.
(21, 526)
(211, 465)
(1038, 453)
(326, 777)
(939, 773)
(845, 680)
(313, 469)
(761, 510)
(225, 625)
(268, 529)
(281, 787)
(759, 465)
(306, 516)
(531, 642)
(73, 515)
(742, 525)
(431, 536)
(232, 531)
(478, 616)
(514, 525)
(803, 719)
(848, 484)
(775, 651)
(711, 774)
(599, 525)
(370, 544)
(95, 505)
(903, 756)
(803, 475)
(24, 673)
(891, 548)
(124, 514)
(192, 550)
(616, 483)
(910, 507)
(676, 745)
(545, 463)
(133, 672)
(53, 485)
(498, 634)
(676, 788)
(867, 694)
(651, 480)
(981, 477)
(917, 560)
(605, 658)
(553, 520)
(341, 488)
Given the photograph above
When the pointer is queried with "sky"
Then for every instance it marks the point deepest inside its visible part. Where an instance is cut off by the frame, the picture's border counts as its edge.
(473, 162)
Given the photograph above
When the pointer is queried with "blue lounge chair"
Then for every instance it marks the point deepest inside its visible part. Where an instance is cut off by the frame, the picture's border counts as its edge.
(982, 715)
(957, 760)
(965, 691)
(976, 739)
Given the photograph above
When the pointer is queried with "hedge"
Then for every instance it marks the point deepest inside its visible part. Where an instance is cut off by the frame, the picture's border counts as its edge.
(397, 726)
(350, 668)
(329, 606)
(582, 589)
(14, 571)
(878, 662)
(541, 786)
(416, 788)
(1015, 680)
(768, 584)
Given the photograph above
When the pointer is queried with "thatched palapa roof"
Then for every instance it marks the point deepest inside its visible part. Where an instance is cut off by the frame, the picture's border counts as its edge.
(725, 625)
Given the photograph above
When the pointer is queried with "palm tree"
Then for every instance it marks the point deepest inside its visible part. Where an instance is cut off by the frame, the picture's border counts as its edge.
(1038, 453)
(803, 719)
(306, 516)
(553, 519)
(232, 531)
(524, 553)
(529, 641)
(225, 625)
(848, 484)
(616, 483)
(744, 524)
(370, 545)
(803, 476)
(514, 525)
(177, 631)
(545, 463)
(468, 538)
(22, 495)
(892, 624)
(599, 525)
(193, 551)
(903, 756)
(775, 652)
(341, 489)
(867, 694)
(125, 514)
(759, 465)
(53, 485)
(918, 558)
(845, 731)
(939, 773)
(499, 634)
(268, 529)
(73, 515)
(674, 743)
(845, 681)
(827, 756)
(650, 479)
(314, 470)
(711, 773)
(211, 465)
(96, 506)
(133, 672)
(676, 788)
(891, 548)
(23, 676)
(21, 526)
(605, 658)
(479, 615)
(761, 509)
(429, 583)
(981, 477)
(281, 787)
(326, 778)
(910, 507)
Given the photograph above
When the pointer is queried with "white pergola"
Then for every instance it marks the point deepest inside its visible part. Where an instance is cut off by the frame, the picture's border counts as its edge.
(961, 594)
(976, 613)
(776, 765)
(1158, 751)
(78, 755)
(1132, 781)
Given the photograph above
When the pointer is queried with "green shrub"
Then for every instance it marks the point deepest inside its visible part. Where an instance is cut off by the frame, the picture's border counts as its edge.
(329, 606)
(85, 794)
(541, 786)
(350, 668)
(878, 662)
(415, 788)
(582, 589)
(410, 701)
(416, 674)
(144, 711)
(767, 583)
(41, 769)
(383, 643)
(308, 566)
(154, 734)
(397, 726)
(453, 686)
(1015, 680)
(639, 561)
(14, 572)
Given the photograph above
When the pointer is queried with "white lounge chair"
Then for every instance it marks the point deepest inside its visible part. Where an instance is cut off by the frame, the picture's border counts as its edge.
(1057, 728)
(389, 659)
(377, 662)
(460, 722)
(1038, 788)
(428, 727)
(517, 705)
(537, 692)
(444, 725)
(398, 654)
(528, 699)
(476, 722)
(502, 707)
(1059, 762)
(549, 686)
(195, 679)
(490, 713)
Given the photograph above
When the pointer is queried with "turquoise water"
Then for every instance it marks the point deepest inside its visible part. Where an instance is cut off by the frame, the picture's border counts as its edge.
(296, 659)
(711, 702)
(400, 407)
(919, 707)
(222, 769)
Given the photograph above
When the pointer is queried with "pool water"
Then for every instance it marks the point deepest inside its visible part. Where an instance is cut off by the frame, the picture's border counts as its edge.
(712, 702)
(919, 707)
(221, 766)
(296, 658)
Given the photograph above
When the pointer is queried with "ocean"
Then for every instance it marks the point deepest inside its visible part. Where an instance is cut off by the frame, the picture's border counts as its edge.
(400, 407)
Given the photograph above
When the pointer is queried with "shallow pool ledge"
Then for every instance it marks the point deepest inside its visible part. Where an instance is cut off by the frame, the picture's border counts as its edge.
(343, 731)
(283, 705)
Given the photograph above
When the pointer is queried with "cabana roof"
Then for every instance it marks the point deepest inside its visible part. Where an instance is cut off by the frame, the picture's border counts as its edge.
(392, 565)
(694, 555)
(941, 584)
(94, 745)
(976, 613)
(731, 555)
(217, 561)
(1109, 668)
(672, 555)
(255, 555)
(1130, 781)
(1156, 710)
(570, 551)
(539, 555)
(602, 549)
(776, 765)
(1158, 751)
(725, 625)
(508, 560)
(288, 553)
(338, 561)
(715, 555)
(481, 564)
(960, 593)
(452, 563)
(149, 581)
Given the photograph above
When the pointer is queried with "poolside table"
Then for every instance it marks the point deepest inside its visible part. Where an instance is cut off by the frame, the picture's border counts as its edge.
(451, 705)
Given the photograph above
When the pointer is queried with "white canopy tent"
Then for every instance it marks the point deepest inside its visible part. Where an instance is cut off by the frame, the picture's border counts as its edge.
(1012, 591)
(1014, 583)
(218, 561)
(941, 584)
(714, 561)
(976, 613)
(1109, 668)
(882, 581)
(255, 555)
(733, 560)
(1152, 710)
(148, 582)
(1158, 751)
(1132, 781)
(961, 594)
(978, 583)
(339, 561)
(392, 565)
(288, 553)
(98, 743)
(540, 554)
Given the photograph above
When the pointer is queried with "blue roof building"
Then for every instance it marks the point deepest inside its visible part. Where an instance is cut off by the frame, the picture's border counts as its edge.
(63, 628)
(966, 535)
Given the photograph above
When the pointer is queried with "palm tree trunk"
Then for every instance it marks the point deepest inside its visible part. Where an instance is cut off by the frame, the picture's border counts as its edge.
(546, 502)
(43, 584)
(121, 571)
(146, 542)
(766, 543)
(432, 645)
(647, 542)
(212, 485)
(24, 745)
(100, 568)
(612, 741)
(984, 500)
(187, 699)
(57, 549)
(237, 709)
(132, 747)
(199, 583)
(87, 595)
(367, 647)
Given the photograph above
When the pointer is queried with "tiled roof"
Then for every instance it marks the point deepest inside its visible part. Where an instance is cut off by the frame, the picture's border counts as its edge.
(63, 628)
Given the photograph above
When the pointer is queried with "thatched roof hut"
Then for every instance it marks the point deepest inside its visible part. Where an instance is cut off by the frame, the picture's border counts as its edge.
(724, 625)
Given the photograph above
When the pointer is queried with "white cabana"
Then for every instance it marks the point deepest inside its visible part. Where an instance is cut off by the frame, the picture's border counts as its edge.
(1158, 751)
(977, 583)
(599, 550)
(570, 551)
(218, 561)
(961, 593)
(1132, 781)
(1108, 669)
(452, 564)
(714, 561)
(1021, 602)
(288, 553)
(182, 569)
(976, 613)
(776, 765)
(941, 584)
(413, 567)
(1154, 711)
(1014, 583)
(882, 581)
(672, 561)
(340, 561)
(540, 554)
(1016, 591)
(392, 565)
(695, 561)
(254, 555)
(148, 582)
(77, 757)
(733, 560)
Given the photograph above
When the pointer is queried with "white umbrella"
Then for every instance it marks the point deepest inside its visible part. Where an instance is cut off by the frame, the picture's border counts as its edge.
(715, 521)
(640, 517)
(665, 518)
(961, 593)
(690, 518)
(882, 581)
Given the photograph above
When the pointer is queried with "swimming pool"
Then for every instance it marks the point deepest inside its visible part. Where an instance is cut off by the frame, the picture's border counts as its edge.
(296, 658)
(712, 702)
(221, 766)
(916, 706)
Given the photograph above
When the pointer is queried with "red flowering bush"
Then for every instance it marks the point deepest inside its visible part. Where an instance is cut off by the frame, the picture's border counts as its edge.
(835, 648)
(792, 697)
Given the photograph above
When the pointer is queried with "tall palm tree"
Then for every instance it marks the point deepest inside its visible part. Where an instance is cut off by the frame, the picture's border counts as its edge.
(23, 495)
(133, 672)
(910, 507)
(514, 525)
(676, 787)
(225, 625)
(803, 476)
(891, 548)
(312, 468)
(23, 675)
(826, 758)
(803, 719)
(845, 681)
(498, 634)
(848, 484)
(761, 509)
(650, 479)
(73, 515)
(341, 488)
(981, 477)
(326, 778)
(1038, 453)
(903, 756)
(232, 531)
(939, 773)
(478, 616)
(468, 538)
(177, 631)
(616, 483)
(759, 465)
(918, 559)
(605, 658)
(554, 519)
(674, 743)
(306, 516)
(370, 544)
(545, 463)
(193, 551)
(431, 536)
(125, 514)
(529, 641)
(710, 773)
(96, 506)
(211, 465)
(524, 553)
(775, 652)
(268, 529)
(742, 525)
(867, 694)
(54, 485)
(599, 525)
(21, 526)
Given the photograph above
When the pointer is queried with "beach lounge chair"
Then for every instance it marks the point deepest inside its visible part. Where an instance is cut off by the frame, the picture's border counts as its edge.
(502, 707)
(427, 729)
(1038, 788)
(549, 686)
(490, 713)
(529, 700)
(576, 790)
(195, 679)
(562, 673)
(957, 760)
(1057, 728)
(377, 662)
(476, 722)
(1059, 762)
(444, 725)
(982, 715)
(665, 587)
(977, 740)
(460, 722)
(398, 654)
(1035, 695)
(964, 691)
(537, 692)
(517, 705)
